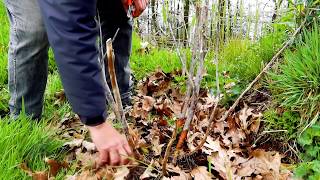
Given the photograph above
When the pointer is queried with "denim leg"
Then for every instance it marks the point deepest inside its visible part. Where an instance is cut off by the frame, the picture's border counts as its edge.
(27, 57)
(112, 17)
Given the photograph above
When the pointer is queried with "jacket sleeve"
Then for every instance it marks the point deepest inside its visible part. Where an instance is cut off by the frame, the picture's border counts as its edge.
(72, 34)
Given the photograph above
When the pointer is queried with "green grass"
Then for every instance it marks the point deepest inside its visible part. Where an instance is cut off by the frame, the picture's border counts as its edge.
(25, 141)
(4, 39)
(297, 85)
(244, 59)
(144, 63)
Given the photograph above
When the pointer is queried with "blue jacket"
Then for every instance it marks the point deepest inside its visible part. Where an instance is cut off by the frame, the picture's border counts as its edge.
(72, 33)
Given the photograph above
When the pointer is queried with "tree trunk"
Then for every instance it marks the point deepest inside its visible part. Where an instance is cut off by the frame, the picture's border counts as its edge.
(221, 18)
(154, 16)
(186, 21)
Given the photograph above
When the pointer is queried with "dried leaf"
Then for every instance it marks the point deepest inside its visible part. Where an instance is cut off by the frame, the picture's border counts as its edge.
(262, 163)
(89, 146)
(76, 143)
(224, 161)
(121, 173)
(138, 111)
(60, 97)
(105, 173)
(201, 173)
(191, 138)
(26, 169)
(177, 107)
(182, 176)
(218, 157)
(85, 175)
(244, 115)
(148, 103)
(55, 166)
(40, 175)
(148, 172)
(249, 121)
(229, 85)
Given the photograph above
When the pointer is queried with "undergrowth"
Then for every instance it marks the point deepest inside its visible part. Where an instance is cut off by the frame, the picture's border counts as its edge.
(240, 61)
(287, 123)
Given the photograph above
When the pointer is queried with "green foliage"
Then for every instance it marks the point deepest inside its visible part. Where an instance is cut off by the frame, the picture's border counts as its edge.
(310, 142)
(288, 121)
(24, 141)
(297, 86)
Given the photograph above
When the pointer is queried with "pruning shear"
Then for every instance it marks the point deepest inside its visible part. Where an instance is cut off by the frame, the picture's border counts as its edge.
(131, 9)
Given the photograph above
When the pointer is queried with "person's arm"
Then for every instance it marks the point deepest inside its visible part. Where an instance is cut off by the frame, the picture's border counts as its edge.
(72, 34)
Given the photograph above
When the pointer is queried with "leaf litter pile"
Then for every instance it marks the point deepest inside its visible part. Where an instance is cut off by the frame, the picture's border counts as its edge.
(229, 151)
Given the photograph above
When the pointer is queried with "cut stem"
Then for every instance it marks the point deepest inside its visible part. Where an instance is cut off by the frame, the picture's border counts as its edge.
(116, 93)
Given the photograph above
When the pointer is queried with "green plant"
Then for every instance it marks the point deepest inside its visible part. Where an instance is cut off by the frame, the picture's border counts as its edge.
(287, 121)
(310, 142)
(297, 86)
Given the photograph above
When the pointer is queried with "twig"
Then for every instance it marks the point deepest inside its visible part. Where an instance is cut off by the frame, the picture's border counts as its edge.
(182, 59)
(168, 149)
(312, 122)
(119, 109)
(115, 35)
(107, 90)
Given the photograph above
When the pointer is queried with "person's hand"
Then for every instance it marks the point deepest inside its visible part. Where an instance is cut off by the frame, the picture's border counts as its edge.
(112, 146)
(139, 5)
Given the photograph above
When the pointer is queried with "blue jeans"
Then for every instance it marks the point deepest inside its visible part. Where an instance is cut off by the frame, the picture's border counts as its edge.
(28, 54)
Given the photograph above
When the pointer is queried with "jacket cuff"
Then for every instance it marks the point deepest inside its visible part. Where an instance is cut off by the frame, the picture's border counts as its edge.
(94, 121)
